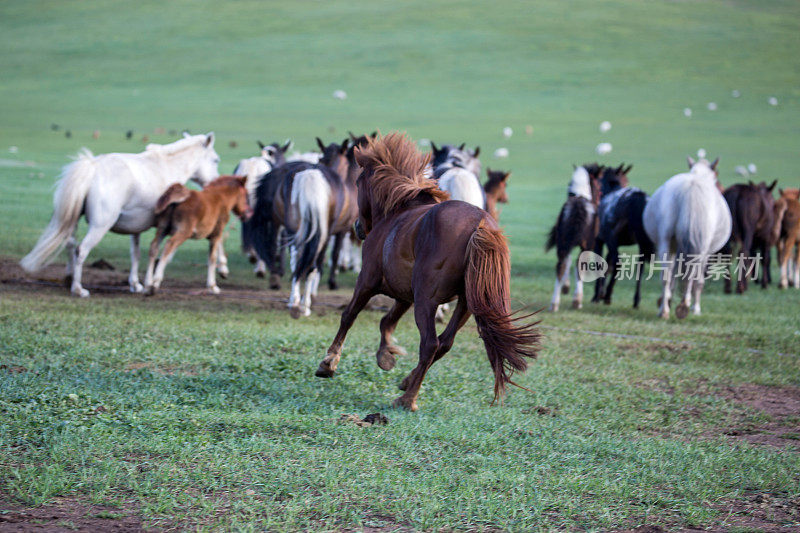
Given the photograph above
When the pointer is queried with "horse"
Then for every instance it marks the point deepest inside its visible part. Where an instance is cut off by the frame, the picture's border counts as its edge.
(620, 224)
(424, 251)
(184, 214)
(576, 226)
(752, 210)
(495, 191)
(312, 202)
(687, 216)
(272, 155)
(449, 156)
(117, 192)
(786, 234)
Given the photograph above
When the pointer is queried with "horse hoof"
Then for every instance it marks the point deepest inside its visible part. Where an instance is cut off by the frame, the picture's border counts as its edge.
(150, 291)
(274, 282)
(213, 290)
(332, 285)
(68, 281)
(324, 371)
(80, 292)
(252, 259)
(554, 308)
(136, 288)
(682, 311)
(405, 403)
(295, 312)
(224, 274)
(260, 274)
(386, 359)
(607, 302)
(565, 289)
(577, 305)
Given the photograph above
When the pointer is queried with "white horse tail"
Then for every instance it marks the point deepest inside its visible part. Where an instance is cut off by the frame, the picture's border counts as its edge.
(311, 196)
(68, 201)
(695, 229)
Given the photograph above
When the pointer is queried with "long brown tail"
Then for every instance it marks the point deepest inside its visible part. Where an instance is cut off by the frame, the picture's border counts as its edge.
(488, 292)
(176, 194)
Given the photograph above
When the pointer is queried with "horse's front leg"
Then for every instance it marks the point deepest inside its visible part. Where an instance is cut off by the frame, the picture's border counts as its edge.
(599, 285)
(363, 292)
(425, 316)
(387, 351)
(222, 260)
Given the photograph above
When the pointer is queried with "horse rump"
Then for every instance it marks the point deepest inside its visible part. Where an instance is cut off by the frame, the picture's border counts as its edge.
(570, 227)
(175, 194)
(488, 294)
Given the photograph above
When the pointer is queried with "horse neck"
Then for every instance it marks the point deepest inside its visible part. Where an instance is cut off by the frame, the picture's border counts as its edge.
(177, 167)
(491, 205)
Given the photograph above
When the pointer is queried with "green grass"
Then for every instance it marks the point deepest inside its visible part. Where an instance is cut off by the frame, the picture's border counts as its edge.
(212, 415)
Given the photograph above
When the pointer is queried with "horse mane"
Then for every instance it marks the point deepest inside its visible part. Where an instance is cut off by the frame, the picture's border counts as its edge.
(397, 172)
(227, 181)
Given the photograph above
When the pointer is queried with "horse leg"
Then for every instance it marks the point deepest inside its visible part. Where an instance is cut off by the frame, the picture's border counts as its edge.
(561, 266)
(565, 277)
(797, 266)
(697, 289)
(72, 244)
(424, 314)
(577, 299)
(783, 260)
(312, 282)
(612, 259)
(166, 256)
(335, 252)
(728, 250)
(133, 278)
(637, 296)
(151, 261)
(214, 244)
(387, 351)
(361, 296)
(682, 311)
(222, 260)
(744, 262)
(91, 240)
(766, 256)
(460, 316)
(599, 285)
(667, 282)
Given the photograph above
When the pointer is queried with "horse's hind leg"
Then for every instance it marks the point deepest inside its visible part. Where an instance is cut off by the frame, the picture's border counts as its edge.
(387, 351)
(169, 251)
(151, 261)
(577, 299)
(214, 245)
(562, 270)
(613, 260)
(92, 238)
(335, 252)
(133, 279)
(796, 266)
(72, 244)
(424, 313)
(460, 316)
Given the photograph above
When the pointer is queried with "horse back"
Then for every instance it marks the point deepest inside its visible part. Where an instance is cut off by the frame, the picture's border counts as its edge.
(175, 194)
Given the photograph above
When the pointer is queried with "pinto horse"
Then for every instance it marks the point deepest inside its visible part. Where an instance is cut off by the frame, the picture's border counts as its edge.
(424, 251)
(186, 214)
(576, 226)
(752, 210)
(312, 202)
(620, 224)
(688, 220)
(117, 192)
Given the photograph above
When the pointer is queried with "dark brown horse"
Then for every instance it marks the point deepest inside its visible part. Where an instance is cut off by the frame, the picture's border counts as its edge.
(752, 210)
(424, 251)
(495, 189)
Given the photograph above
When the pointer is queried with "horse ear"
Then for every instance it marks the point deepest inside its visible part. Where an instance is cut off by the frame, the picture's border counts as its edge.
(286, 146)
(433, 147)
(345, 143)
(628, 169)
(462, 146)
(209, 139)
(477, 151)
(506, 175)
(260, 144)
(374, 134)
(771, 187)
(242, 180)
(186, 134)
(353, 137)
(714, 164)
(750, 183)
(574, 166)
(320, 144)
(690, 161)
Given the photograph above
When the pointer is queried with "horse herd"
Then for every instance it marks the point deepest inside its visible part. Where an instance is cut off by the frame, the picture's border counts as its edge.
(417, 248)
(687, 220)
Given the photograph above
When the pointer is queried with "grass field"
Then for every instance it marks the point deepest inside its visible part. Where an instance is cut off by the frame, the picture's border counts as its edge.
(204, 412)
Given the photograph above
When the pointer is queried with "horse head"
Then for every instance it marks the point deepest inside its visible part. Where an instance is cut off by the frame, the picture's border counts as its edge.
(207, 163)
(334, 156)
(242, 207)
(496, 185)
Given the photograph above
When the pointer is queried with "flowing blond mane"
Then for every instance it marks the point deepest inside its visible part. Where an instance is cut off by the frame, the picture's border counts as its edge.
(397, 172)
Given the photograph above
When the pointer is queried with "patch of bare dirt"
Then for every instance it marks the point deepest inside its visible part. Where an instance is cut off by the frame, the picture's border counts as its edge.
(105, 283)
(781, 404)
(67, 515)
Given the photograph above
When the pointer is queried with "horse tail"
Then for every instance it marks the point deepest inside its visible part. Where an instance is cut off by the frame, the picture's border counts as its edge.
(568, 230)
(552, 237)
(488, 294)
(68, 202)
(175, 194)
(311, 196)
(694, 231)
(779, 211)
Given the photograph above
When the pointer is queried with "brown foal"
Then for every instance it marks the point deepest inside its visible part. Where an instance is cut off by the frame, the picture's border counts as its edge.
(187, 214)
(495, 189)
(786, 234)
(424, 251)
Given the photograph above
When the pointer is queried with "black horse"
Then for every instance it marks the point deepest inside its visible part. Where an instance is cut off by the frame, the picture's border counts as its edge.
(620, 217)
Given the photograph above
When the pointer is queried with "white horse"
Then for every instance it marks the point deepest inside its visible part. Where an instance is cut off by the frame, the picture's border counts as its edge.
(687, 218)
(118, 192)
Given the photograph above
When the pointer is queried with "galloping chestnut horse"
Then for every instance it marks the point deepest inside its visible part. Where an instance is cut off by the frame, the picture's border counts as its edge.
(420, 249)
(186, 214)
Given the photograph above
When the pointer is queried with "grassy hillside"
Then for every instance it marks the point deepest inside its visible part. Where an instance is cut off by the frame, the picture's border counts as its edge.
(212, 416)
